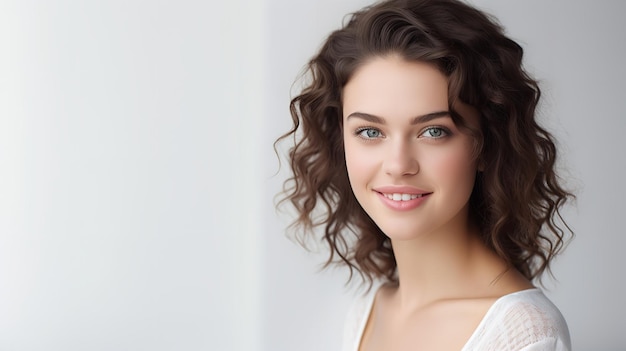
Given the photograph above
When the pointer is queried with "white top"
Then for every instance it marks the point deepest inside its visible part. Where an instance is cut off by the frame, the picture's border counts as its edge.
(525, 320)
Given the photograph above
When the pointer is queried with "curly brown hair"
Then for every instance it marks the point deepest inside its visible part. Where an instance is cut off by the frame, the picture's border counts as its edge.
(517, 196)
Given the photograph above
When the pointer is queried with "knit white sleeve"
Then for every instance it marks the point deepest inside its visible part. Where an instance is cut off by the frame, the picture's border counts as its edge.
(526, 320)
(548, 344)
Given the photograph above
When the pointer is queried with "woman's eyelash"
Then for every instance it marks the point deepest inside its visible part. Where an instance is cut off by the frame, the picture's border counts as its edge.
(431, 132)
(368, 133)
(436, 132)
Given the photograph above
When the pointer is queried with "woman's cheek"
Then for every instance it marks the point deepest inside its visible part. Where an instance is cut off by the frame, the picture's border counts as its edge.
(454, 165)
(357, 161)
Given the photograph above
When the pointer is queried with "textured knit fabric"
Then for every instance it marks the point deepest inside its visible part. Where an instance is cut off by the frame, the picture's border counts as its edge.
(525, 320)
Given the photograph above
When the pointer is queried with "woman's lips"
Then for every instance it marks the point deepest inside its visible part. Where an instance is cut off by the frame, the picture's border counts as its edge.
(402, 199)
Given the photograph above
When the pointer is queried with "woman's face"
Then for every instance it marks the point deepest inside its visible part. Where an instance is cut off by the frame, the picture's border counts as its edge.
(411, 169)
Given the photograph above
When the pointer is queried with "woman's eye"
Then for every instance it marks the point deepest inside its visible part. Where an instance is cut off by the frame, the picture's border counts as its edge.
(369, 133)
(435, 133)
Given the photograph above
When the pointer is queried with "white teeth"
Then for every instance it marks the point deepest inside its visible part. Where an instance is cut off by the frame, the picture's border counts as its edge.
(402, 197)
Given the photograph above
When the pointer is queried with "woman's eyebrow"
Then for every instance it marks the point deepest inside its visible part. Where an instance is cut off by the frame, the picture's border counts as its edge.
(367, 117)
(429, 117)
(417, 120)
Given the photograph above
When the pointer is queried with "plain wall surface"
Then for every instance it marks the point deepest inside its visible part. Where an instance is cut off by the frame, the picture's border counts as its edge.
(129, 195)
(137, 176)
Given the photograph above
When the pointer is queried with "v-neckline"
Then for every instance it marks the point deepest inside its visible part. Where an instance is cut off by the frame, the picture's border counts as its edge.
(372, 299)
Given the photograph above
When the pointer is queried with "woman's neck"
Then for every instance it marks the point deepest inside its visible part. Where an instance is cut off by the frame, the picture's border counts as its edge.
(448, 264)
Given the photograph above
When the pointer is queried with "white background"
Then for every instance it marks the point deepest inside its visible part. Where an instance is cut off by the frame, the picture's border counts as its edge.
(137, 174)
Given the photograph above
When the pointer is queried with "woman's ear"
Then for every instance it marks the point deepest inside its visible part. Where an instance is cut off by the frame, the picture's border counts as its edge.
(481, 165)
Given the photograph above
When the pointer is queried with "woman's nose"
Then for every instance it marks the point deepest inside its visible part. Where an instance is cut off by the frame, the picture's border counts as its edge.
(400, 160)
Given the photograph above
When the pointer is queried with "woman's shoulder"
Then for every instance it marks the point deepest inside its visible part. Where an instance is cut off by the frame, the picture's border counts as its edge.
(529, 307)
(525, 320)
(358, 315)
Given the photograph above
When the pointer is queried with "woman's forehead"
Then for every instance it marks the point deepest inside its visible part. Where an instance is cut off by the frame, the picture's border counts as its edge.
(392, 86)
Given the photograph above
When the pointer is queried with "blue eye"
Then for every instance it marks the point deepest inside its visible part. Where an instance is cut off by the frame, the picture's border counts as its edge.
(369, 133)
(435, 132)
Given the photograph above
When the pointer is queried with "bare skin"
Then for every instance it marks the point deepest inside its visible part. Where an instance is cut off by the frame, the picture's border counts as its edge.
(403, 320)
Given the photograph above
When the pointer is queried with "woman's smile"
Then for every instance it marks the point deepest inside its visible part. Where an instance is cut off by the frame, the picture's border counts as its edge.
(402, 202)
(401, 198)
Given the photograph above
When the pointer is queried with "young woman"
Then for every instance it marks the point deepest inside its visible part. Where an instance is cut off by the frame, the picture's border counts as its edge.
(418, 154)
